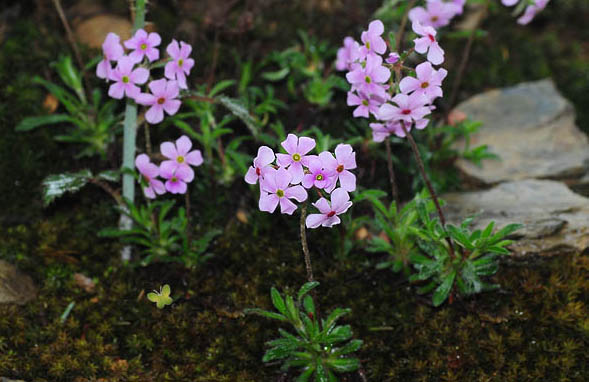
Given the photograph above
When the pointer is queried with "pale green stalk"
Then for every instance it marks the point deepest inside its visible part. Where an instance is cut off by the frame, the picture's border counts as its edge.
(129, 139)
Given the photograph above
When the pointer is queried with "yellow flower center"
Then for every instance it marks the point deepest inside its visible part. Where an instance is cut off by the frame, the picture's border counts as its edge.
(367, 44)
(280, 193)
(365, 102)
(143, 46)
(180, 62)
(174, 179)
(319, 177)
(296, 157)
(161, 100)
(180, 159)
(424, 85)
(125, 80)
(368, 79)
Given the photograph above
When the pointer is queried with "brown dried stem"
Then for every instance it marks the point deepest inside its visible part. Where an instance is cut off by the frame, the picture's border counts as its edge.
(304, 243)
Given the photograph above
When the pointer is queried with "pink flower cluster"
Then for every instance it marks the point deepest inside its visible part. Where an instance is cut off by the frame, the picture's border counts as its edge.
(436, 13)
(531, 10)
(132, 70)
(176, 170)
(287, 177)
(371, 94)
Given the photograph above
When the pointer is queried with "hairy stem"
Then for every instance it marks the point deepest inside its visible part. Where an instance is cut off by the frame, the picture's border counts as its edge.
(392, 180)
(304, 243)
(428, 183)
(129, 139)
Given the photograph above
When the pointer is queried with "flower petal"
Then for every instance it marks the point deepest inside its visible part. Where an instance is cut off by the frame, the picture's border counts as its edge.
(268, 202)
(296, 192)
(347, 181)
(154, 114)
(168, 149)
(306, 144)
(194, 158)
(339, 200)
(315, 220)
(286, 206)
(183, 145)
(290, 144)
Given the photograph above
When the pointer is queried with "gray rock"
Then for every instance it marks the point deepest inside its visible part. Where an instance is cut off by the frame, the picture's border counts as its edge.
(15, 287)
(532, 129)
(556, 220)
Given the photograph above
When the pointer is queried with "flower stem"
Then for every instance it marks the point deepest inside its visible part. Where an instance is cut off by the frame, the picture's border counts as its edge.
(395, 191)
(304, 243)
(428, 184)
(129, 141)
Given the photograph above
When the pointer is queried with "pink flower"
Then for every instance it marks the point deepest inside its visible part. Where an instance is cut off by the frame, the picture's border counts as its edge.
(409, 108)
(261, 165)
(392, 58)
(296, 148)
(176, 179)
(369, 79)
(366, 104)
(180, 157)
(380, 131)
(318, 176)
(126, 78)
(181, 64)
(348, 54)
(275, 189)
(340, 202)
(112, 51)
(531, 11)
(373, 43)
(144, 44)
(436, 14)
(428, 43)
(345, 160)
(149, 171)
(428, 82)
(163, 98)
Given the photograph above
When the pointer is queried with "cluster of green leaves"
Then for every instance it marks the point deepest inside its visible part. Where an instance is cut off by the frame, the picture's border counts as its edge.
(92, 122)
(161, 237)
(319, 347)
(304, 66)
(454, 258)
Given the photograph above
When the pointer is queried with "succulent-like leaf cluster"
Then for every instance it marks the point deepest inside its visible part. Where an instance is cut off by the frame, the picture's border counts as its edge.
(319, 347)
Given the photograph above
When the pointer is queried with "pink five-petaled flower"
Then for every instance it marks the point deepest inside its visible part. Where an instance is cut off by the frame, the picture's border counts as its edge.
(176, 179)
(296, 148)
(427, 43)
(180, 66)
(348, 54)
(261, 165)
(163, 97)
(393, 58)
(366, 104)
(373, 43)
(369, 79)
(409, 108)
(380, 131)
(340, 202)
(436, 14)
(319, 175)
(149, 171)
(345, 160)
(144, 44)
(275, 189)
(112, 51)
(179, 157)
(428, 81)
(126, 78)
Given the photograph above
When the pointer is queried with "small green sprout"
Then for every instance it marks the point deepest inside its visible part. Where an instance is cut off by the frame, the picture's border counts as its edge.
(161, 298)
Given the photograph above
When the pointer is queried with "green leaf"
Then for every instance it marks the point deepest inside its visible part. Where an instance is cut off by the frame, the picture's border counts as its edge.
(306, 288)
(350, 347)
(343, 365)
(265, 313)
(309, 304)
(277, 301)
(321, 374)
(240, 111)
(32, 122)
(339, 334)
(443, 290)
(276, 353)
(110, 176)
(304, 377)
(335, 315)
(218, 88)
(55, 186)
(276, 75)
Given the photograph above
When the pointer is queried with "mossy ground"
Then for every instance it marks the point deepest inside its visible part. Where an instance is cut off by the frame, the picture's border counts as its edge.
(534, 329)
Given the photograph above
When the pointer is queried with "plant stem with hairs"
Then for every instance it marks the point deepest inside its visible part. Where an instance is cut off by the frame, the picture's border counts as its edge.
(129, 141)
(394, 190)
(305, 245)
(428, 184)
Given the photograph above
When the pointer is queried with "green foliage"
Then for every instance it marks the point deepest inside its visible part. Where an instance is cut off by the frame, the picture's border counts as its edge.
(461, 265)
(92, 123)
(55, 186)
(319, 347)
(160, 237)
(401, 227)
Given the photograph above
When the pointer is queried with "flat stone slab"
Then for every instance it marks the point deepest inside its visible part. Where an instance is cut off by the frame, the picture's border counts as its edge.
(15, 287)
(531, 127)
(555, 219)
